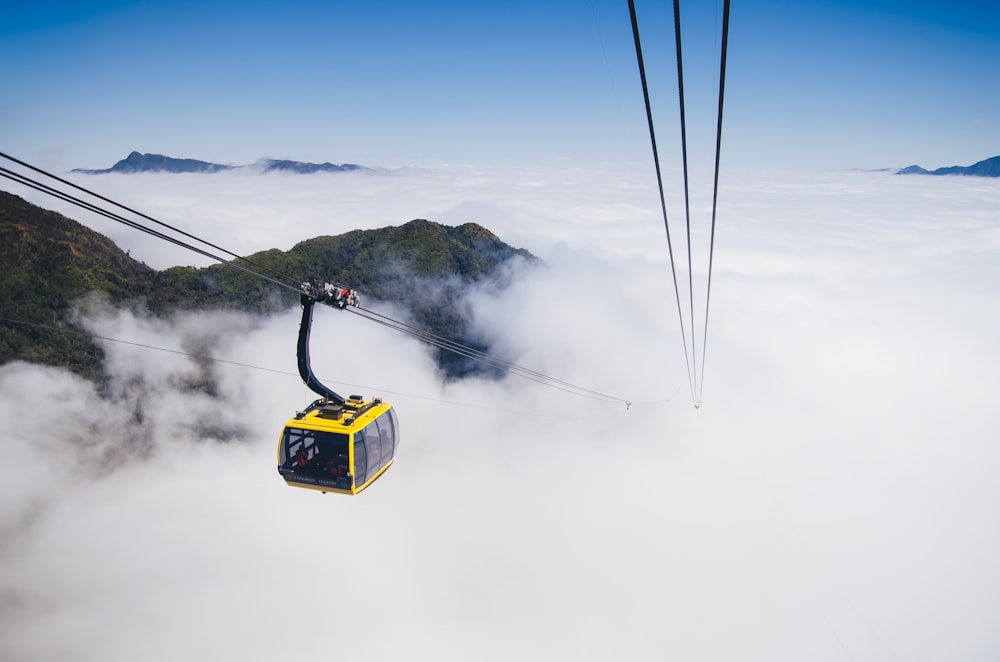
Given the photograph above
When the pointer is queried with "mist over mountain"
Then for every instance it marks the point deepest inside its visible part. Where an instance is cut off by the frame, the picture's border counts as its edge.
(50, 261)
(986, 168)
(833, 494)
(136, 163)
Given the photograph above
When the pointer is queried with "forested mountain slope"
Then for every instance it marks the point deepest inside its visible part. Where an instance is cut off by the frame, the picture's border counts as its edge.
(47, 261)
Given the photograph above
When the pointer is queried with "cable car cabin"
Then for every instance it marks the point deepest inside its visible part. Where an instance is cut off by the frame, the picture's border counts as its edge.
(339, 448)
(335, 445)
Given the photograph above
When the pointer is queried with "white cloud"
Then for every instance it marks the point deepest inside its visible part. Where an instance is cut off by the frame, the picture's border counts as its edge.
(835, 497)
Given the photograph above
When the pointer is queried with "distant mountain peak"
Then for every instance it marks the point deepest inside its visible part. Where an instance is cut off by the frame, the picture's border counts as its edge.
(987, 168)
(284, 165)
(136, 162)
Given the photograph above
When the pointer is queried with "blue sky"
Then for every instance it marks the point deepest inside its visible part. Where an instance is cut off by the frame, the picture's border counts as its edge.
(383, 83)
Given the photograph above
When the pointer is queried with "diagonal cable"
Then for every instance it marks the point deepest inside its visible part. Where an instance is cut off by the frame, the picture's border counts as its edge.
(150, 218)
(426, 336)
(715, 188)
(659, 183)
(684, 162)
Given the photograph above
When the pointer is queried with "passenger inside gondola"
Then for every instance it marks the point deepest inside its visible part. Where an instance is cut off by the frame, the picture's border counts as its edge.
(317, 454)
(301, 458)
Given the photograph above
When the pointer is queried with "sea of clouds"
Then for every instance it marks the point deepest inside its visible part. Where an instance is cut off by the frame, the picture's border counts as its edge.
(834, 498)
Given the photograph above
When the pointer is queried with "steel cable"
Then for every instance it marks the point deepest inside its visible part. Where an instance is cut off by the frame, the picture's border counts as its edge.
(659, 184)
(715, 187)
(695, 372)
(420, 334)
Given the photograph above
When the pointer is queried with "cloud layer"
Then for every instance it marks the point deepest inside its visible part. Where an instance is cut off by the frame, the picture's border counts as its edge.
(834, 497)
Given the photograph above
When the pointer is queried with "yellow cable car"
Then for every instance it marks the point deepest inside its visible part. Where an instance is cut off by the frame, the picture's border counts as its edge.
(335, 445)
(338, 448)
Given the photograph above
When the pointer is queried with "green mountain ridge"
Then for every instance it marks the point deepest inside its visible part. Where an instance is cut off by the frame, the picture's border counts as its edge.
(50, 261)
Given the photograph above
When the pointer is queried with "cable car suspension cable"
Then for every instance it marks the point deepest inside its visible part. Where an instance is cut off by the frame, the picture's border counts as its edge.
(66, 197)
(687, 197)
(695, 373)
(659, 184)
(463, 350)
(289, 279)
(420, 334)
(715, 187)
(250, 366)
